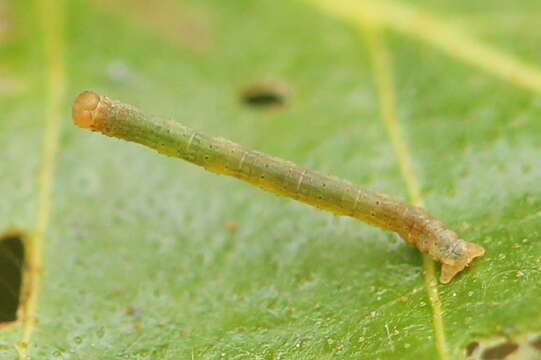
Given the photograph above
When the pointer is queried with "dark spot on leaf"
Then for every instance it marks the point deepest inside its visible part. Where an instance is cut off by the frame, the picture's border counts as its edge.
(132, 312)
(474, 345)
(11, 275)
(536, 343)
(499, 352)
(265, 96)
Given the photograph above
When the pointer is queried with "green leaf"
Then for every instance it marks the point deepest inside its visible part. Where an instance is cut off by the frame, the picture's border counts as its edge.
(139, 256)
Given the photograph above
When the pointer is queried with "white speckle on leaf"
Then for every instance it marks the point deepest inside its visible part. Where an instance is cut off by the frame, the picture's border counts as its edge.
(118, 71)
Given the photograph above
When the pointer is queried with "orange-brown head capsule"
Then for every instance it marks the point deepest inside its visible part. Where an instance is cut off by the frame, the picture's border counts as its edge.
(84, 107)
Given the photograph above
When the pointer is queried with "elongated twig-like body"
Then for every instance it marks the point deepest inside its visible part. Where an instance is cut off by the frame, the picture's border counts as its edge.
(221, 156)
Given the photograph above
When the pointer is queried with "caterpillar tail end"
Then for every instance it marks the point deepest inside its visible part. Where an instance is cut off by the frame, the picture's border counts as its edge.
(449, 270)
(84, 109)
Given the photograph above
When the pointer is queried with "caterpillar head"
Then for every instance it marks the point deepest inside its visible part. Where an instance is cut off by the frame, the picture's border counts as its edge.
(465, 254)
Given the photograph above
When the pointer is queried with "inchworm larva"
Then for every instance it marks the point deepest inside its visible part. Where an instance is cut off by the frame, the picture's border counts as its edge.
(327, 192)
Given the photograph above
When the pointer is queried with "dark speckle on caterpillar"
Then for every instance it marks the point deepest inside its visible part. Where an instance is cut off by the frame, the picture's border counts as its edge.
(282, 177)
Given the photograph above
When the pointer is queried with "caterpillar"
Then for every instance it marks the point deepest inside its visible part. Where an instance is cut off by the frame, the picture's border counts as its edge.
(339, 196)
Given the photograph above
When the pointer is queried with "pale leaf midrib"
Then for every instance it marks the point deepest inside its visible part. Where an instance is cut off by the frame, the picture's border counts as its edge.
(50, 13)
(382, 75)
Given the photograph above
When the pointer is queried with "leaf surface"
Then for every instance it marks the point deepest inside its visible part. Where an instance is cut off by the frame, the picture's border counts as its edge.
(147, 257)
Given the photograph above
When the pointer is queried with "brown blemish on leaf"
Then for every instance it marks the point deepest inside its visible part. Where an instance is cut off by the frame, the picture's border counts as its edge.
(470, 349)
(499, 352)
(184, 25)
(536, 343)
(523, 346)
(6, 23)
(231, 225)
(10, 82)
(132, 312)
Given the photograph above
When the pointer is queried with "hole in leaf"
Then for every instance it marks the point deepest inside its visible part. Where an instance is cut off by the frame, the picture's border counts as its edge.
(11, 275)
(265, 96)
(536, 343)
(499, 352)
